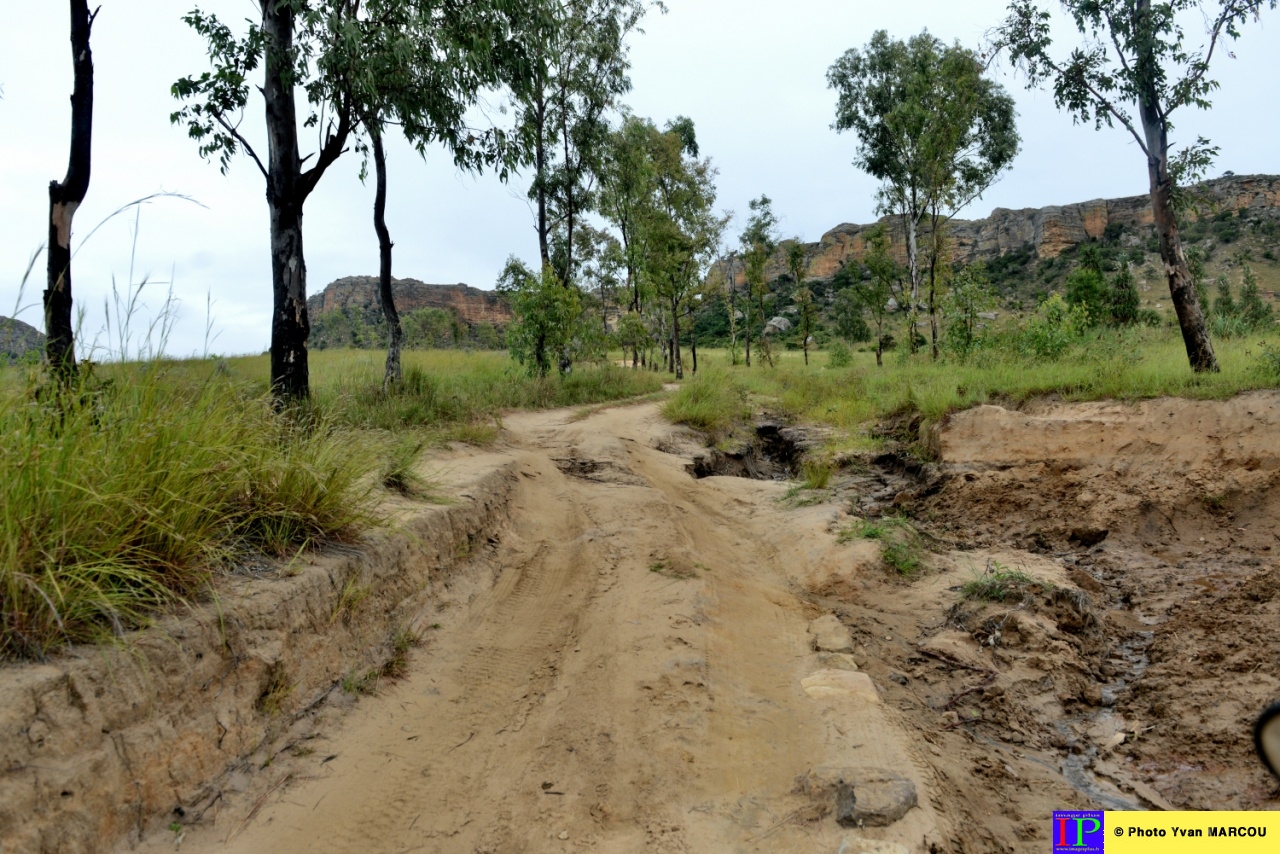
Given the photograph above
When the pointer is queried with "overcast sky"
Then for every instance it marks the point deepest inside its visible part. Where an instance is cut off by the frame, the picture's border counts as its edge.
(750, 73)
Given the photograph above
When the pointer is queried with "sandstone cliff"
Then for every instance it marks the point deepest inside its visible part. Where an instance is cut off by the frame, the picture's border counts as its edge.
(1047, 231)
(471, 305)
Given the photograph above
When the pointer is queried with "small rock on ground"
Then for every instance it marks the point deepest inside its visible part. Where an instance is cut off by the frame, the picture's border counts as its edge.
(830, 635)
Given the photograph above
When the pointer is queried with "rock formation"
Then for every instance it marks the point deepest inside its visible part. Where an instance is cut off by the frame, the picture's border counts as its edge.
(1048, 231)
(17, 340)
(472, 305)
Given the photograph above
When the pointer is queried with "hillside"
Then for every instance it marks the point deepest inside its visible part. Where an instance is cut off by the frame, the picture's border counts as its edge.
(19, 341)
(348, 313)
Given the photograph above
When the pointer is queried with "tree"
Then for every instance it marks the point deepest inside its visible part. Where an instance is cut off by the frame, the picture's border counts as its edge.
(931, 127)
(1123, 302)
(1135, 53)
(65, 197)
(296, 44)
(579, 72)
(547, 315)
(970, 296)
(875, 290)
(803, 297)
(625, 177)
(759, 241)
(1087, 286)
(678, 225)
(847, 310)
(422, 64)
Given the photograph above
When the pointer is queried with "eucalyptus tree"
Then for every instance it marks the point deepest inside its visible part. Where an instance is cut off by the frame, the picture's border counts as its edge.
(1133, 64)
(803, 297)
(625, 175)
(759, 241)
(679, 225)
(294, 45)
(579, 73)
(65, 197)
(931, 126)
(422, 65)
(874, 290)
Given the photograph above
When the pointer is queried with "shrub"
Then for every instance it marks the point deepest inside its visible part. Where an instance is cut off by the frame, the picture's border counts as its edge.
(711, 403)
(839, 355)
(1054, 328)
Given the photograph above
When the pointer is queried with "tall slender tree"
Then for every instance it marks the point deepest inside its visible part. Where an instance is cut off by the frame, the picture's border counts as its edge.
(1135, 65)
(421, 65)
(931, 126)
(759, 241)
(295, 44)
(65, 197)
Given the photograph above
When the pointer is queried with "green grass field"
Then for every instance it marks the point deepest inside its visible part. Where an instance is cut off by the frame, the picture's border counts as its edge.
(123, 495)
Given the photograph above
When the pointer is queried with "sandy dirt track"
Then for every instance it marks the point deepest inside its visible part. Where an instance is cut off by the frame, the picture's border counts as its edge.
(639, 677)
(631, 665)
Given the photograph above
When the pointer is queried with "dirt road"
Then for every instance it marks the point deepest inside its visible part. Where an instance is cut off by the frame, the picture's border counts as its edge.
(633, 666)
(633, 680)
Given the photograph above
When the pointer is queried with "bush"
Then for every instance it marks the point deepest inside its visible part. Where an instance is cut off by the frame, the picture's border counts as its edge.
(839, 355)
(1053, 329)
(1123, 300)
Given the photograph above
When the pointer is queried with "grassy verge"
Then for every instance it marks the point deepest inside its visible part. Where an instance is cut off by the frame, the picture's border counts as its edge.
(126, 495)
(1126, 365)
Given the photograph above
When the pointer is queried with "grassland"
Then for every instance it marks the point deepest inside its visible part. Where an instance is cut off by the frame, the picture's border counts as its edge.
(1104, 364)
(126, 494)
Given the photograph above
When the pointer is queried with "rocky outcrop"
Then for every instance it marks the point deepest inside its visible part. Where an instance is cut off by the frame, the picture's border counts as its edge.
(472, 305)
(1047, 231)
(17, 340)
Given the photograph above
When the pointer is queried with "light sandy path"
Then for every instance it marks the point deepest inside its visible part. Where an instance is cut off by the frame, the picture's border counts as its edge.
(630, 682)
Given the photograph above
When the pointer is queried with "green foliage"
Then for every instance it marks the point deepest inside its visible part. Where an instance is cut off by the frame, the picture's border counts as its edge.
(549, 320)
(1087, 288)
(1055, 327)
(1232, 318)
(759, 241)
(969, 298)
(120, 497)
(711, 402)
(847, 312)
(999, 584)
(839, 355)
(1123, 302)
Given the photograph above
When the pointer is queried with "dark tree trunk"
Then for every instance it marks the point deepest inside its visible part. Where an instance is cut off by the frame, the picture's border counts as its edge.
(287, 189)
(65, 197)
(395, 335)
(675, 339)
(540, 175)
(936, 240)
(1182, 292)
(693, 344)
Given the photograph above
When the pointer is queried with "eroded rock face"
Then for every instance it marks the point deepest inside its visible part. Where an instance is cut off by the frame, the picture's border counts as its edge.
(472, 305)
(1049, 231)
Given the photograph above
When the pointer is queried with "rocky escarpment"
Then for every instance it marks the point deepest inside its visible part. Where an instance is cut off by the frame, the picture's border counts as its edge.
(18, 340)
(471, 305)
(1048, 231)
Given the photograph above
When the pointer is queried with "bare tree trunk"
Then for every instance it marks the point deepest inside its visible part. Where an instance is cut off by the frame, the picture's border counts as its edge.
(693, 347)
(913, 267)
(65, 197)
(1195, 332)
(675, 339)
(540, 173)
(935, 240)
(395, 335)
(290, 379)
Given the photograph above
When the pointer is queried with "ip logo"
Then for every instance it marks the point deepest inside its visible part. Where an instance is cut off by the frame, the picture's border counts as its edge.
(1078, 832)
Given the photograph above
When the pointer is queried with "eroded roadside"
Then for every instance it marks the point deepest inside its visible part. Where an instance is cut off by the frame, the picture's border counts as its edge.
(641, 659)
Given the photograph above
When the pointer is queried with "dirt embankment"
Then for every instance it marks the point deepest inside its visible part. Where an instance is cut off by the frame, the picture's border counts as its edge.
(105, 744)
(648, 660)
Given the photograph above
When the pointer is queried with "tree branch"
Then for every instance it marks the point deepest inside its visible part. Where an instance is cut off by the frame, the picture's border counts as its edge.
(238, 137)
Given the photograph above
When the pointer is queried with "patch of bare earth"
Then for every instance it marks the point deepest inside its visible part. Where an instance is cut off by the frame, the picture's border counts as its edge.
(649, 661)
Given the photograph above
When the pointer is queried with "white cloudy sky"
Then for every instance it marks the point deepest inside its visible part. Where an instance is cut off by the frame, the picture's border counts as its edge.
(750, 73)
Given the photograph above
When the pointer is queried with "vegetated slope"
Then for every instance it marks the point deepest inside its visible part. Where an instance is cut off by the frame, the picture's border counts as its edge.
(19, 341)
(348, 313)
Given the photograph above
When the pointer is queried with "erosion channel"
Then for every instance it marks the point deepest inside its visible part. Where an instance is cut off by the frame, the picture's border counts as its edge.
(645, 660)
